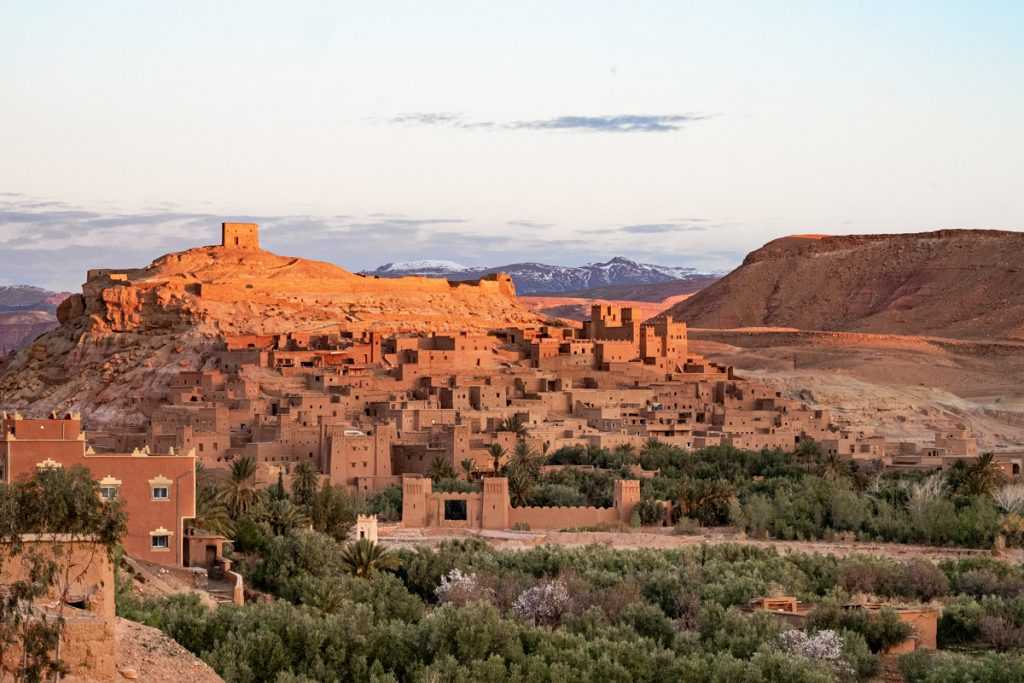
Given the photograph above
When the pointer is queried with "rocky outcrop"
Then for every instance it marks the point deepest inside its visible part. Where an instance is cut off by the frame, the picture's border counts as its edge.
(949, 283)
(130, 331)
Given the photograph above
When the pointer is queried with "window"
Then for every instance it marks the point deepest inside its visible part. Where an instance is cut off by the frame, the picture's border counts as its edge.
(161, 493)
(162, 542)
(455, 510)
(108, 492)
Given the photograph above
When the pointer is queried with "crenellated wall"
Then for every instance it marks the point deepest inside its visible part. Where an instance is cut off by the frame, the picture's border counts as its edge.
(562, 517)
(492, 509)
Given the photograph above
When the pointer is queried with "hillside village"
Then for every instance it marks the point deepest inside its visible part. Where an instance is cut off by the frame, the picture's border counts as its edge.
(371, 410)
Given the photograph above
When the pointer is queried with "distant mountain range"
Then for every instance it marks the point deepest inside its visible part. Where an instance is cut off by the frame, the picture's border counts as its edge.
(541, 278)
(25, 313)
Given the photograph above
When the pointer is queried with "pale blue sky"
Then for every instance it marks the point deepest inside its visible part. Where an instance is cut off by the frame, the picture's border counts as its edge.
(370, 132)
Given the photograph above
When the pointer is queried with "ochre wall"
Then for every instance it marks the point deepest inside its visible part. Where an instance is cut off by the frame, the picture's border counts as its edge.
(491, 509)
(562, 517)
(134, 473)
(240, 235)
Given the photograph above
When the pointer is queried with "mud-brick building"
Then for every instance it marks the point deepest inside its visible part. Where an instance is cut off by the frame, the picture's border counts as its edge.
(85, 603)
(491, 508)
(158, 491)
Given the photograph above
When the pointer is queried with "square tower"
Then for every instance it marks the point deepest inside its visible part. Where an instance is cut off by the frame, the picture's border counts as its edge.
(240, 235)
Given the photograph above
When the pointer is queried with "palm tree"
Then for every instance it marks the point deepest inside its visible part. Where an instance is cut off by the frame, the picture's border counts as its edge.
(525, 459)
(281, 515)
(513, 424)
(623, 456)
(652, 445)
(364, 557)
(239, 493)
(468, 467)
(304, 483)
(520, 485)
(984, 476)
(211, 513)
(496, 452)
(441, 469)
(523, 472)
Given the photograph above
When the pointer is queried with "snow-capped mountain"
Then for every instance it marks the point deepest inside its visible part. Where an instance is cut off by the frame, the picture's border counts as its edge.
(541, 278)
(422, 267)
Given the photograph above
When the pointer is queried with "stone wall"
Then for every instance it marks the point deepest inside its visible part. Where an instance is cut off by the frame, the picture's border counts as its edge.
(562, 517)
(492, 509)
(87, 641)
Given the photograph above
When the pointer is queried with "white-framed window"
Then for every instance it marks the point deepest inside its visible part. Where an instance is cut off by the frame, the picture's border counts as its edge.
(161, 493)
(108, 492)
(160, 542)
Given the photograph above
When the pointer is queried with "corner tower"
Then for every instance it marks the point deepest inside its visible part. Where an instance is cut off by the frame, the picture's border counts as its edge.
(240, 236)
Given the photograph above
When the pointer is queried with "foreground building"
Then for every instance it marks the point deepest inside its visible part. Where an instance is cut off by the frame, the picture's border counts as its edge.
(158, 491)
(88, 635)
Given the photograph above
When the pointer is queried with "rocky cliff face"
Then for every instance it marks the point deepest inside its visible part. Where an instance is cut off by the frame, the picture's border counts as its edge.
(130, 331)
(950, 283)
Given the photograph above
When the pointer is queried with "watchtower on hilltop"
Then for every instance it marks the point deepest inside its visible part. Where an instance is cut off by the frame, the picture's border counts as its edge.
(240, 235)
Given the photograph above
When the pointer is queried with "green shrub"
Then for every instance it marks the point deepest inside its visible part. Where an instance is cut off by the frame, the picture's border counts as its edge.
(687, 526)
(881, 630)
(650, 512)
(940, 667)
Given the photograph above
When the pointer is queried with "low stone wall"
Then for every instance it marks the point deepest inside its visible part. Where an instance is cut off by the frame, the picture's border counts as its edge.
(562, 517)
(492, 509)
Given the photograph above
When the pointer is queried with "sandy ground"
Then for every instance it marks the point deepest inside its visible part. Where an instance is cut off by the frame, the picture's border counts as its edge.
(156, 658)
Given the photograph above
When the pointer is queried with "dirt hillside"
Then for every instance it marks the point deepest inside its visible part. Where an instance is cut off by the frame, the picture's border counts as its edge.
(902, 387)
(131, 330)
(966, 284)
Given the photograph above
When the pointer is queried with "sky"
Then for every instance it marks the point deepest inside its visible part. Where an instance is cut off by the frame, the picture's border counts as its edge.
(363, 133)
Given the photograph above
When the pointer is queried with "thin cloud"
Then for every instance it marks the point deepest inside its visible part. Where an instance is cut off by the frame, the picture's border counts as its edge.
(401, 224)
(620, 123)
(530, 224)
(656, 228)
(658, 123)
(429, 119)
(668, 227)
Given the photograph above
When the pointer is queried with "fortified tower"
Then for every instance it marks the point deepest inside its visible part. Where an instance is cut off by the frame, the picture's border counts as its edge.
(626, 496)
(240, 235)
(495, 503)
